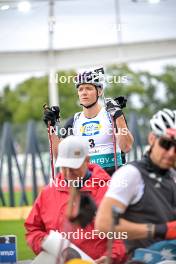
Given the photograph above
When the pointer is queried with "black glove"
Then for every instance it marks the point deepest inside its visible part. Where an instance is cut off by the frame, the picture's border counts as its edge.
(113, 108)
(52, 115)
(121, 101)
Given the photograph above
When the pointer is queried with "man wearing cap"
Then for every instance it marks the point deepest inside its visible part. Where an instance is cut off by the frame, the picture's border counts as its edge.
(103, 128)
(147, 203)
(50, 208)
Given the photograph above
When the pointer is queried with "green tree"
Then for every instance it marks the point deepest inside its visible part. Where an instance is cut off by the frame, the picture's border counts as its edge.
(5, 112)
(141, 88)
(123, 81)
(168, 81)
(26, 100)
(68, 98)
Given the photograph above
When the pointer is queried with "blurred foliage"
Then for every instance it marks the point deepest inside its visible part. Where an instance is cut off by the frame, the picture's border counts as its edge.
(68, 98)
(25, 102)
(168, 79)
(146, 93)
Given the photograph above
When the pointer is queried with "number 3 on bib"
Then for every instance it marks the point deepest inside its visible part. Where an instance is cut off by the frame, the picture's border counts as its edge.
(92, 143)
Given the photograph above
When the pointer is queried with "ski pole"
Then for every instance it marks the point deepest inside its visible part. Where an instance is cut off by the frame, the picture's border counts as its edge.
(113, 134)
(46, 107)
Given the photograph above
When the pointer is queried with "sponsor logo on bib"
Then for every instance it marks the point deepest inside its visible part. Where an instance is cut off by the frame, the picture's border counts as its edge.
(90, 128)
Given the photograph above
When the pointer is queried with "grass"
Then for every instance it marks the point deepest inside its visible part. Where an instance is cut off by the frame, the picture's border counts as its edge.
(17, 197)
(17, 228)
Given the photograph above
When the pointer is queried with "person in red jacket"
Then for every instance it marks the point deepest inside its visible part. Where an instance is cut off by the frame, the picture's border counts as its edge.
(49, 211)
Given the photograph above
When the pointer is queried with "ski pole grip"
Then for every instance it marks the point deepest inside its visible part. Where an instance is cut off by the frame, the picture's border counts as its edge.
(46, 107)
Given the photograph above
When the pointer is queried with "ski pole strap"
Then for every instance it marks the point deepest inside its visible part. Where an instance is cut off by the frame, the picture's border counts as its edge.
(50, 132)
(114, 143)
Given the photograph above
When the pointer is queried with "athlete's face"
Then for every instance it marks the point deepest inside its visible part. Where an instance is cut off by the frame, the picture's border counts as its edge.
(75, 174)
(87, 94)
(160, 155)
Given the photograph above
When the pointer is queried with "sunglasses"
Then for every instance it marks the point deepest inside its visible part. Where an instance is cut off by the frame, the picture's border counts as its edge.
(167, 143)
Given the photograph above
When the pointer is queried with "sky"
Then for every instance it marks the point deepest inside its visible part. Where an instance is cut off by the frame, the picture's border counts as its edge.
(80, 23)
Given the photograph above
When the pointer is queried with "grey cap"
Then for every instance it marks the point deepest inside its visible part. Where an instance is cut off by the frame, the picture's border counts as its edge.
(72, 152)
